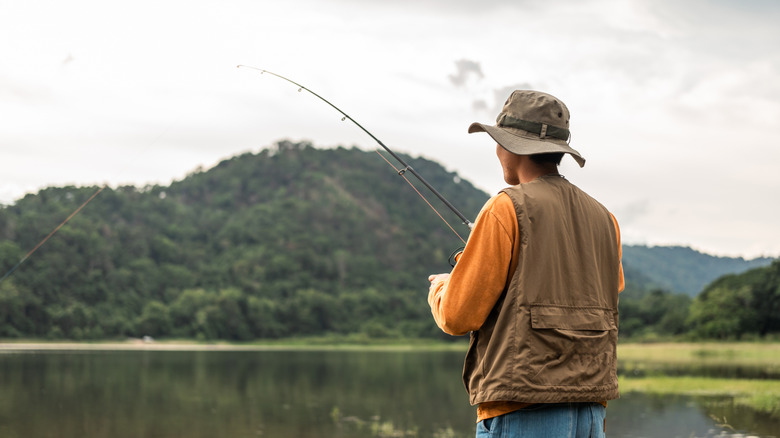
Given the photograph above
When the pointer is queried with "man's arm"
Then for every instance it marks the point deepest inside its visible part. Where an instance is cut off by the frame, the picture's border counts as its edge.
(461, 301)
(622, 281)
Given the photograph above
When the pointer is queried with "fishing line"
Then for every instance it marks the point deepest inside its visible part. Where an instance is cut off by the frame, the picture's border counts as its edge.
(401, 172)
(57, 228)
(421, 195)
(75, 212)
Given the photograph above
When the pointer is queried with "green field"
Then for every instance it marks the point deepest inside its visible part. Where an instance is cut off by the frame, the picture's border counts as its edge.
(725, 353)
(646, 370)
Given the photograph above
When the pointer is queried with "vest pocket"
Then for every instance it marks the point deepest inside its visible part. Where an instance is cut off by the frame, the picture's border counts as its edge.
(571, 346)
(572, 318)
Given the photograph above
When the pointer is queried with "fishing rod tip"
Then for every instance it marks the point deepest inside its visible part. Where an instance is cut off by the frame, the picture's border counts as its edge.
(253, 68)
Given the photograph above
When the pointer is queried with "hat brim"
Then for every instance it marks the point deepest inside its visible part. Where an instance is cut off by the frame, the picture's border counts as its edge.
(524, 143)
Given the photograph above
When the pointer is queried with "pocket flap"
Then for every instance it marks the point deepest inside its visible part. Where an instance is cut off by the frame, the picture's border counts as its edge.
(571, 318)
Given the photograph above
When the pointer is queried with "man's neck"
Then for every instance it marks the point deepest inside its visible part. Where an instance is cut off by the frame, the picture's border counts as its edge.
(529, 170)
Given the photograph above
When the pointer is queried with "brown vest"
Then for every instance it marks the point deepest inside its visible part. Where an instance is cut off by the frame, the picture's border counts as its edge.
(552, 335)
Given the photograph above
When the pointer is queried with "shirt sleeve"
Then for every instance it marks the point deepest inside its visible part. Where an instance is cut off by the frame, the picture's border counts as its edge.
(462, 302)
(622, 280)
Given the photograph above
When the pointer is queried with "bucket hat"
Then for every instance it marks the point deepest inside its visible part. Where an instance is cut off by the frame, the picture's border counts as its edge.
(532, 122)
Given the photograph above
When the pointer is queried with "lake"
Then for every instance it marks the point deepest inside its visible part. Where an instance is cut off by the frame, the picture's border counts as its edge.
(293, 393)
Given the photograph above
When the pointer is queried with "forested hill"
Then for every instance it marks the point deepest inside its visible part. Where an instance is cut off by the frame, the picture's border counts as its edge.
(680, 269)
(293, 240)
(290, 241)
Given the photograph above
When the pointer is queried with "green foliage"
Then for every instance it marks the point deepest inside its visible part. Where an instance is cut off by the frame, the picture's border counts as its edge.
(291, 241)
(298, 241)
(736, 306)
(155, 319)
(654, 313)
(650, 310)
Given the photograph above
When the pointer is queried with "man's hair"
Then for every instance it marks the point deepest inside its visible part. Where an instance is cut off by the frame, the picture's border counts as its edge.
(550, 157)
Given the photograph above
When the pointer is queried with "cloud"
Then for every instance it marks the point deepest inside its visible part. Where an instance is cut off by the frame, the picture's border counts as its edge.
(466, 68)
(479, 105)
(681, 85)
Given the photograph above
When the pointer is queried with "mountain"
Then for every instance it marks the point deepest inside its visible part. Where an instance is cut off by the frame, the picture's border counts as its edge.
(290, 241)
(680, 269)
(293, 240)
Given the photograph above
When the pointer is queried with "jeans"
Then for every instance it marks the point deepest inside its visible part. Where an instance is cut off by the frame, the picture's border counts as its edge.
(553, 420)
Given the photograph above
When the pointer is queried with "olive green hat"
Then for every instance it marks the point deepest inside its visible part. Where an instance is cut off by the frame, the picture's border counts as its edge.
(532, 122)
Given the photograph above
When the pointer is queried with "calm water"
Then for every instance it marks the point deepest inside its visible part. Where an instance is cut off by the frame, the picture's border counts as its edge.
(297, 394)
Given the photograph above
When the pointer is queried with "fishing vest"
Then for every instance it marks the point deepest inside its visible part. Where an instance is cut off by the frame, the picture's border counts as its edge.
(552, 335)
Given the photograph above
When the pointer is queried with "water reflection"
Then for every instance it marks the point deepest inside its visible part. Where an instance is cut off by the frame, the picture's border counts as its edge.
(289, 394)
(639, 415)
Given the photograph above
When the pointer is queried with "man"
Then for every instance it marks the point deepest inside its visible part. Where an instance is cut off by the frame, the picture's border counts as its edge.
(537, 286)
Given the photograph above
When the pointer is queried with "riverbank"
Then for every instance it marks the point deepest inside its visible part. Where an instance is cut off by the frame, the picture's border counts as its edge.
(190, 345)
(682, 353)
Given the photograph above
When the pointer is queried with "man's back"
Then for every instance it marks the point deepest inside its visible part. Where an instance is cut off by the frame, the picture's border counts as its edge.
(552, 336)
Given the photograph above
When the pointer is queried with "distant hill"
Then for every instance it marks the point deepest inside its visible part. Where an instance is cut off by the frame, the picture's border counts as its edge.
(291, 241)
(680, 269)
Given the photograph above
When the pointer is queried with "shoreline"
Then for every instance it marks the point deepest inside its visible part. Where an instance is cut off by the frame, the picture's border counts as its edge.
(126, 346)
(185, 345)
(649, 352)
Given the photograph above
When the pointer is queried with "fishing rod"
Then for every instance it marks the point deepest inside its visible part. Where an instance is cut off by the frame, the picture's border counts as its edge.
(406, 167)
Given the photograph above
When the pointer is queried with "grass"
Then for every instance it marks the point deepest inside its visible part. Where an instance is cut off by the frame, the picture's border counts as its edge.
(761, 395)
(688, 385)
(689, 353)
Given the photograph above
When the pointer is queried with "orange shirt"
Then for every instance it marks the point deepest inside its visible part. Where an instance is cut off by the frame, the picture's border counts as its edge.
(461, 302)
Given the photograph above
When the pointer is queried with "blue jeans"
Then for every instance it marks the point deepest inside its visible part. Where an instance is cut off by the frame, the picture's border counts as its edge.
(547, 420)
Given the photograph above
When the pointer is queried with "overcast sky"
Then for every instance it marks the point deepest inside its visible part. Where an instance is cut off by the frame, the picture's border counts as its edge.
(674, 104)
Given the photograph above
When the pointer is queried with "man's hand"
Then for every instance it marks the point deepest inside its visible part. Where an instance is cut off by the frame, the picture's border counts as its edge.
(435, 278)
(436, 287)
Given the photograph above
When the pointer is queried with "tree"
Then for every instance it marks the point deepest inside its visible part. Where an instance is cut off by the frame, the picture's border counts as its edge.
(724, 313)
(155, 320)
(737, 305)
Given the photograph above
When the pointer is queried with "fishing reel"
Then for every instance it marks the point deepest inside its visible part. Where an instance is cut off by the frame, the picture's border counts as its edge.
(453, 258)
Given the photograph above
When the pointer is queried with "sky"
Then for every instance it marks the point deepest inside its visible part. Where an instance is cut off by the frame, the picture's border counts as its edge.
(675, 105)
